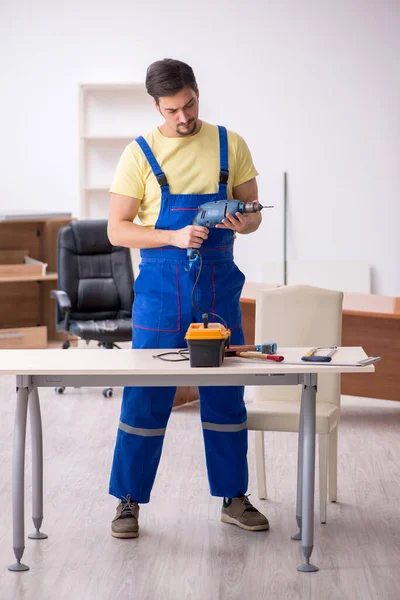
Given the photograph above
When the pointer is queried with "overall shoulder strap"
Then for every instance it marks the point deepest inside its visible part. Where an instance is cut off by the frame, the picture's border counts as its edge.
(223, 169)
(155, 167)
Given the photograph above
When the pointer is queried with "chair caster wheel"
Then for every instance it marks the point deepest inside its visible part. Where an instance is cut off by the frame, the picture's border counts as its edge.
(59, 390)
(108, 392)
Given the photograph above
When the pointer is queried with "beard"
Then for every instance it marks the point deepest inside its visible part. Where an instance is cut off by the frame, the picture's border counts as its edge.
(189, 130)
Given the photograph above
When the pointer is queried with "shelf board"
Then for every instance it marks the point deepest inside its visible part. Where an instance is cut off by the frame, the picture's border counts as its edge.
(16, 278)
(107, 87)
(29, 216)
(107, 138)
(97, 188)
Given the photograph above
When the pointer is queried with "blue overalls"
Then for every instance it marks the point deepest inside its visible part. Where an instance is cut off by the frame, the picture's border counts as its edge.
(162, 313)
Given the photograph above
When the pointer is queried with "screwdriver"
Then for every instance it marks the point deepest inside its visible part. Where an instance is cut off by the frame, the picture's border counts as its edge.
(267, 348)
(260, 355)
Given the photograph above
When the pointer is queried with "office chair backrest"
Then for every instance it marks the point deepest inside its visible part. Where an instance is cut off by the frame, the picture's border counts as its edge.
(300, 316)
(97, 276)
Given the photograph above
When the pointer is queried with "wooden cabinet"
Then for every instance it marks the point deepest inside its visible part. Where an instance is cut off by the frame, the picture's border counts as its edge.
(23, 337)
(27, 313)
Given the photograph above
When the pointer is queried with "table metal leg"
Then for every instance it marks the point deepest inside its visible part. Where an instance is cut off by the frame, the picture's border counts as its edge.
(297, 536)
(308, 399)
(37, 465)
(18, 477)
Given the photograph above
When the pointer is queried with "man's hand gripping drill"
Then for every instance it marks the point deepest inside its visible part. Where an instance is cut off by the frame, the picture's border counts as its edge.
(221, 214)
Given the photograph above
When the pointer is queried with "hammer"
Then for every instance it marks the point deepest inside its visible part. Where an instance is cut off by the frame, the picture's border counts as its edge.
(268, 348)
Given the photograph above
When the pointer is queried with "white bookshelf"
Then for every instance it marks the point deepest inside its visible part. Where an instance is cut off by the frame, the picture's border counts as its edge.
(111, 115)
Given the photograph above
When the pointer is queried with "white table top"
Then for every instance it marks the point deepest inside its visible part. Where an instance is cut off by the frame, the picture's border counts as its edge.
(141, 362)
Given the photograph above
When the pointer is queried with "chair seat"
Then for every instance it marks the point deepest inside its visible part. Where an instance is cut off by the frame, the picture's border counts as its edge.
(116, 330)
(283, 415)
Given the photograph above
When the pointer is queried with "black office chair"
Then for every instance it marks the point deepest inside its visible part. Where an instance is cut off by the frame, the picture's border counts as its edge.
(95, 279)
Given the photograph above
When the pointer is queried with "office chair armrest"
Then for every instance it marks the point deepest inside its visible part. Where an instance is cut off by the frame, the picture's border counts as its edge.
(63, 309)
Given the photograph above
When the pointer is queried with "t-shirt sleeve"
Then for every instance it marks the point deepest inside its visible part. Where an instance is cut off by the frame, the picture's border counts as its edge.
(128, 178)
(244, 167)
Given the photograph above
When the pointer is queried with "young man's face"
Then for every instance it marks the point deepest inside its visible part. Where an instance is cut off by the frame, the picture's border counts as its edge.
(180, 112)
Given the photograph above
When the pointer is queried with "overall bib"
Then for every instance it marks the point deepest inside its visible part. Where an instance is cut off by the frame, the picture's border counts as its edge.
(162, 312)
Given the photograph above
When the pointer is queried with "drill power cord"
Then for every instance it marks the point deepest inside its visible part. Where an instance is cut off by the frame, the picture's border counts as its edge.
(181, 354)
(193, 290)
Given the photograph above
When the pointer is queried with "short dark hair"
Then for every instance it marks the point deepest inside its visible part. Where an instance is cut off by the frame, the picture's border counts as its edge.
(167, 77)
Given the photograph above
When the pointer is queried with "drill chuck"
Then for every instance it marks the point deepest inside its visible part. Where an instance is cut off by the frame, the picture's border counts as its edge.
(252, 207)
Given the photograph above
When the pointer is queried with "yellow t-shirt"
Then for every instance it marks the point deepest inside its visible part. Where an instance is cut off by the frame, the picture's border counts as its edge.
(191, 165)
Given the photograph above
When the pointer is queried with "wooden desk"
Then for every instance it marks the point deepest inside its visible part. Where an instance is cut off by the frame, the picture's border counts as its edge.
(370, 321)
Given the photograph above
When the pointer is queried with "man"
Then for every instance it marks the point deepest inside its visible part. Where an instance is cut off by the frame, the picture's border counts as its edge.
(163, 178)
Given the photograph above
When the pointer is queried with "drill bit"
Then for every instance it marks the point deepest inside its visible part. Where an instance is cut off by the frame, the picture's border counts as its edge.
(252, 207)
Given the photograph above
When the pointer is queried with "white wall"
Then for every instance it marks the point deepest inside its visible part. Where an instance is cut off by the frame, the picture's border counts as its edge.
(313, 86)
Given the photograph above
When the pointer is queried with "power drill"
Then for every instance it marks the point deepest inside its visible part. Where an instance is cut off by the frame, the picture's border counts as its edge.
(212, 213)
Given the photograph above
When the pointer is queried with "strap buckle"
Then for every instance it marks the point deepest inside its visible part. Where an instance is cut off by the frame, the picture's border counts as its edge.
(162, 180)
(223, 176)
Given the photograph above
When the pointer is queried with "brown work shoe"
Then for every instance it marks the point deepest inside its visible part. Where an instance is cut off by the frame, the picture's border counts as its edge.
(125, 523)
(242, 513)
